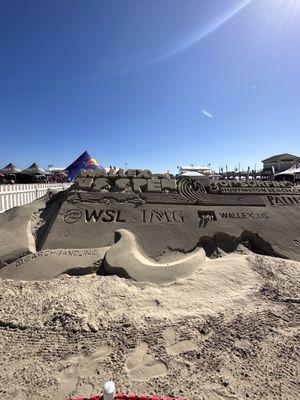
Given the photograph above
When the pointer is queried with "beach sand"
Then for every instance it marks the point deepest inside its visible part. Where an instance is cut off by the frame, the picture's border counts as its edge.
(229, 331)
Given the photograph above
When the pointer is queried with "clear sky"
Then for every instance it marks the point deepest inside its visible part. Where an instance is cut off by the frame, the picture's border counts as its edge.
(150, 83)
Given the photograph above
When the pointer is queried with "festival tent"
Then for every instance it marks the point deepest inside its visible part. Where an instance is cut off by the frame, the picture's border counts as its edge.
(9, 169)
(293, 172)
(191, 173)
(33, 169)
(33, 174)
(84, 161)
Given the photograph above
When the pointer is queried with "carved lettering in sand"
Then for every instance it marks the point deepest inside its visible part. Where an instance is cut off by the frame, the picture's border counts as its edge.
(61, 252)
(284, 200)
(104, 216)
(244, 215)
(162, 216)
(146, 216)
(259, 190)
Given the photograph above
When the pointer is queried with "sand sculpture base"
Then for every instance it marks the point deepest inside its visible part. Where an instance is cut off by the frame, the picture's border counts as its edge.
(166, 226)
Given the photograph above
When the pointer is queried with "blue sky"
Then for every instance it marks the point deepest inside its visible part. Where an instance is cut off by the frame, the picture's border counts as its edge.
(150, 83)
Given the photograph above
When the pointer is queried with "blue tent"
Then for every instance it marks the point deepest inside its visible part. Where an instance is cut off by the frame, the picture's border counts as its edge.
(84, 161)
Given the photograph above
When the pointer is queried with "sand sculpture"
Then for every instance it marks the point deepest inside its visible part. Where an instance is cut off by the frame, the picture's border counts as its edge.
(165, 223)
(126, 258)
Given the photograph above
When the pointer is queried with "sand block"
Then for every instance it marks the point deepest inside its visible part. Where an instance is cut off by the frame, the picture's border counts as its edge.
(90, 173)
(122, 184)
(144, 173)
(121, 173)
(83, 183)
(100, 173)
(169, 184)
(154, 185)
(131, 173)
(101, 183)
(139, 184)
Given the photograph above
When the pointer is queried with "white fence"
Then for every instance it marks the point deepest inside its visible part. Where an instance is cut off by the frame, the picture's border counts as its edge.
(21, 194)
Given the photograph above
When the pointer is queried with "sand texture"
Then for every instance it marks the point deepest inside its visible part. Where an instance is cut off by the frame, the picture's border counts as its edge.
(228, 331)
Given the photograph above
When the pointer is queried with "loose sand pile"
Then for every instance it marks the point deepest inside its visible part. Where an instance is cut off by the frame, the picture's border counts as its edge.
(229, 331)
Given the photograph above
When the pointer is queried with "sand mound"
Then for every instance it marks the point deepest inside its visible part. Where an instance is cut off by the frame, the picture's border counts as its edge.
(229, 330)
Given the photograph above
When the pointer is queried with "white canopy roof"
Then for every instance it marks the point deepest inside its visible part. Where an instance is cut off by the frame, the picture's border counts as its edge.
(55, 169)
(295, 169)
(192, 173)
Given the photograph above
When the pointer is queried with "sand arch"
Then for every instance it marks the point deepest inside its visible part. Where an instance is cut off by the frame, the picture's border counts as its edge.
(127, 259)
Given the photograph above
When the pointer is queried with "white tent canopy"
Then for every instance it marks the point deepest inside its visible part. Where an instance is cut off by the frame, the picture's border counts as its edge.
(192, 173)
(295, 169)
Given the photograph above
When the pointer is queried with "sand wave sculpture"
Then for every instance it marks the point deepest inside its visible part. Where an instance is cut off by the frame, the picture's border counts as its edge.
(126, 258)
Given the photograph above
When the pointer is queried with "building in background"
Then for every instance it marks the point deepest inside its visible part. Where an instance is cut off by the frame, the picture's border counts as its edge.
(278, 163)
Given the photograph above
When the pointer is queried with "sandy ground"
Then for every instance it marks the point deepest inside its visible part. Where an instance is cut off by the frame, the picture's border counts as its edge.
(229, 331)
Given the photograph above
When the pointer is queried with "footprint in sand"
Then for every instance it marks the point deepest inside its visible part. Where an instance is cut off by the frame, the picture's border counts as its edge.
(140, 366)
(173, 347)
(78, 377)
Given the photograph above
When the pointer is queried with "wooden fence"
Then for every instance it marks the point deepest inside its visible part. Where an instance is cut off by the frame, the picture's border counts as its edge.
(21, 194)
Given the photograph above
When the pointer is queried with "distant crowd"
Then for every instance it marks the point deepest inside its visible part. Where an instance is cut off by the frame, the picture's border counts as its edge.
(55, 177)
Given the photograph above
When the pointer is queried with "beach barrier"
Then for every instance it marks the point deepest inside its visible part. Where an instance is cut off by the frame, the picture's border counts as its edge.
(109, 393)
(121, 396)
(109, 390)
(21, 194)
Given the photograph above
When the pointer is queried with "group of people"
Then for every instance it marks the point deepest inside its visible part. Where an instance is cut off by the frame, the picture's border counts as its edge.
(56, 177)
(7, 179)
